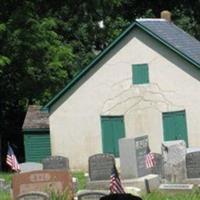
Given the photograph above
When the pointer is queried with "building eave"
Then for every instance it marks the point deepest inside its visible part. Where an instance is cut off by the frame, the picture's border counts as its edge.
(28, 130)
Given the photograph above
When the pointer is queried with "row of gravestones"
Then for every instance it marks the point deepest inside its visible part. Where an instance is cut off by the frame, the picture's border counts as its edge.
(175, 158)
(100, 166)
(52, 162)
(179, 162)
(30, 183)
(36, 180)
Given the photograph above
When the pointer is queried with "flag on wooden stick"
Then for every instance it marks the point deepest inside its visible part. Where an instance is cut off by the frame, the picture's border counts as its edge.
(149, 158)
(11, 159)
(115, 183)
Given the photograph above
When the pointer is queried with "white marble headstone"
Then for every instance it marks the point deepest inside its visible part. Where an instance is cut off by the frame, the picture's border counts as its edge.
(174, 154)
(30, 166)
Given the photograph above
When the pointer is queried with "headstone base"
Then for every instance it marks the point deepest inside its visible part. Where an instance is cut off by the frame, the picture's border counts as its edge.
(133, 190)
(91, 194)
(153, 180)
(174, 188)
(195, 181)
(98, 185)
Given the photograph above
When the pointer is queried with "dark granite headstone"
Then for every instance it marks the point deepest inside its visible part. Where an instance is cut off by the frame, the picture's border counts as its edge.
(193, 163)
(120, 197)
(56, 162)
(158, 168)
(141, 144)
(33, 196)
(100, 166)
(91, 194)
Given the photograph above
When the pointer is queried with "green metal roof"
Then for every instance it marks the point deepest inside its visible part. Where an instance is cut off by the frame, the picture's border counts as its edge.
(149, 30)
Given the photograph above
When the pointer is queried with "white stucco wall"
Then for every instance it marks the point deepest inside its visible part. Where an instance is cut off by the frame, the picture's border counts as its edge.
(107, 89)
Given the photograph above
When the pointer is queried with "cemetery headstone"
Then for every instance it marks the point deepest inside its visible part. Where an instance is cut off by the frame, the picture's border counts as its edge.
(33, 196)
(30, 166)
(4, 186)
(193, 163)
(100, 166)
(174, 153)
(158, 168)
(132, 157)
(91, 194)
(56, 162)
(41, 181)
(176, 187)
(2, 183)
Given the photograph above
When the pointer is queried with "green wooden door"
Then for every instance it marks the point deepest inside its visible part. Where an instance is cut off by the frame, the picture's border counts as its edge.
(112, 131)
(37, 147)
(174, 125)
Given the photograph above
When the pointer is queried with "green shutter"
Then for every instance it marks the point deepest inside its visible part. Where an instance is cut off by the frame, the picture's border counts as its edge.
(140, 73)
(37, 147)
(174, 126)
(112, 131)
(107, 137)
(168, 126)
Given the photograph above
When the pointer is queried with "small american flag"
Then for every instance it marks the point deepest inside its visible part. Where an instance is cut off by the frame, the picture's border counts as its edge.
(149, 158)
(115, 183)
(11, 160)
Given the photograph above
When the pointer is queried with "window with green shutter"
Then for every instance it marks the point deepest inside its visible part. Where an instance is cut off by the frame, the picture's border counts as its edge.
(112, 131)
(140, 73)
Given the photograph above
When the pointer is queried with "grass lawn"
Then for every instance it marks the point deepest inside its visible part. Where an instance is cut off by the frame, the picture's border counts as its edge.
(194, 195)
(7, 177)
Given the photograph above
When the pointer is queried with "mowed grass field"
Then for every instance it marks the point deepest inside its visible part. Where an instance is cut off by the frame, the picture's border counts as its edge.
(7, 177)
(156, 195)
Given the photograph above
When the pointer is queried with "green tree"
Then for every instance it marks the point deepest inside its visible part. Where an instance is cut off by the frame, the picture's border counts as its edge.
(45, 43)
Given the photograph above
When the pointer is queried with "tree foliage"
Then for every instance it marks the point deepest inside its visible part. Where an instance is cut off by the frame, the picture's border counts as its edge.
(45, 43)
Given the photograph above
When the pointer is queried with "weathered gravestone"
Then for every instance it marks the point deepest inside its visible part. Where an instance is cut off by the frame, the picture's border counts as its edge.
(91, 194)
(158, 167)
(30, 166)
(2, 183)
(174, 153)
(56, 162)
(193, 162)
(34, 196)
(100, 166)
(4, 186)
(41, 181)
(132, 157)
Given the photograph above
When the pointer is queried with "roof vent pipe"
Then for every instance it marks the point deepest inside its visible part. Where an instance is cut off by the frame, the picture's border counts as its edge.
(165, 14)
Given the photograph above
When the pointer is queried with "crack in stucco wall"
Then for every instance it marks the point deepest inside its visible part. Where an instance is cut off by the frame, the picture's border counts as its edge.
(126, 98)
